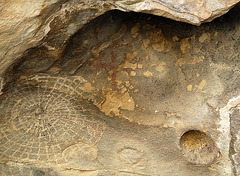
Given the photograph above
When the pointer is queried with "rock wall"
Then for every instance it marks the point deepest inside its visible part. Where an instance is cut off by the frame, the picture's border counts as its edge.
(128, 94)
(26, 24)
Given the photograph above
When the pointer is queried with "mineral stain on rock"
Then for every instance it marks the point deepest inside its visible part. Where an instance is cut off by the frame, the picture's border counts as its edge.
(114, 101)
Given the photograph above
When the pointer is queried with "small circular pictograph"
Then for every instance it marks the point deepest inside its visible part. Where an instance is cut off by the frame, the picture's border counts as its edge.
(198, 147)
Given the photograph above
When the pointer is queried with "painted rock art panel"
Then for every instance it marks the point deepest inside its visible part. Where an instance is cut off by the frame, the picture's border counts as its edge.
(38, 122)
(130, 94)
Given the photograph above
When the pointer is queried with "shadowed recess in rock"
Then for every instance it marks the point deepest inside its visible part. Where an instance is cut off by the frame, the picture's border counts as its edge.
(198, 148)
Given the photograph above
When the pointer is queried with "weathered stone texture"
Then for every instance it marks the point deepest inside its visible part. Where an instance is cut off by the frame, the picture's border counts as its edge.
(130, 94)
(122, 93)
(25, 24)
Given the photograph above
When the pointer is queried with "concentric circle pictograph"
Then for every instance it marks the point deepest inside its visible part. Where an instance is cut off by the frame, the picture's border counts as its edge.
(38, 122)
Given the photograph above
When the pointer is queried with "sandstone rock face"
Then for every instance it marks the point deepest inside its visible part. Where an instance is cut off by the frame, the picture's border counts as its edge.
(88, 92)
(128, 94)
(191, 11)
(25, 24)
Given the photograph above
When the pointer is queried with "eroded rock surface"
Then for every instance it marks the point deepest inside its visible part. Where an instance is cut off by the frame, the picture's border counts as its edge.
(131, 94)
(26, 24)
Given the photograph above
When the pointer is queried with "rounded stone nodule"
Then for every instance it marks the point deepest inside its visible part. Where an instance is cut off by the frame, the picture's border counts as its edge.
(198, 148)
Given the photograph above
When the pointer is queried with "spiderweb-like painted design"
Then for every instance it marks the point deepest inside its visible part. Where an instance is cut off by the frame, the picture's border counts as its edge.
(43, 115)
